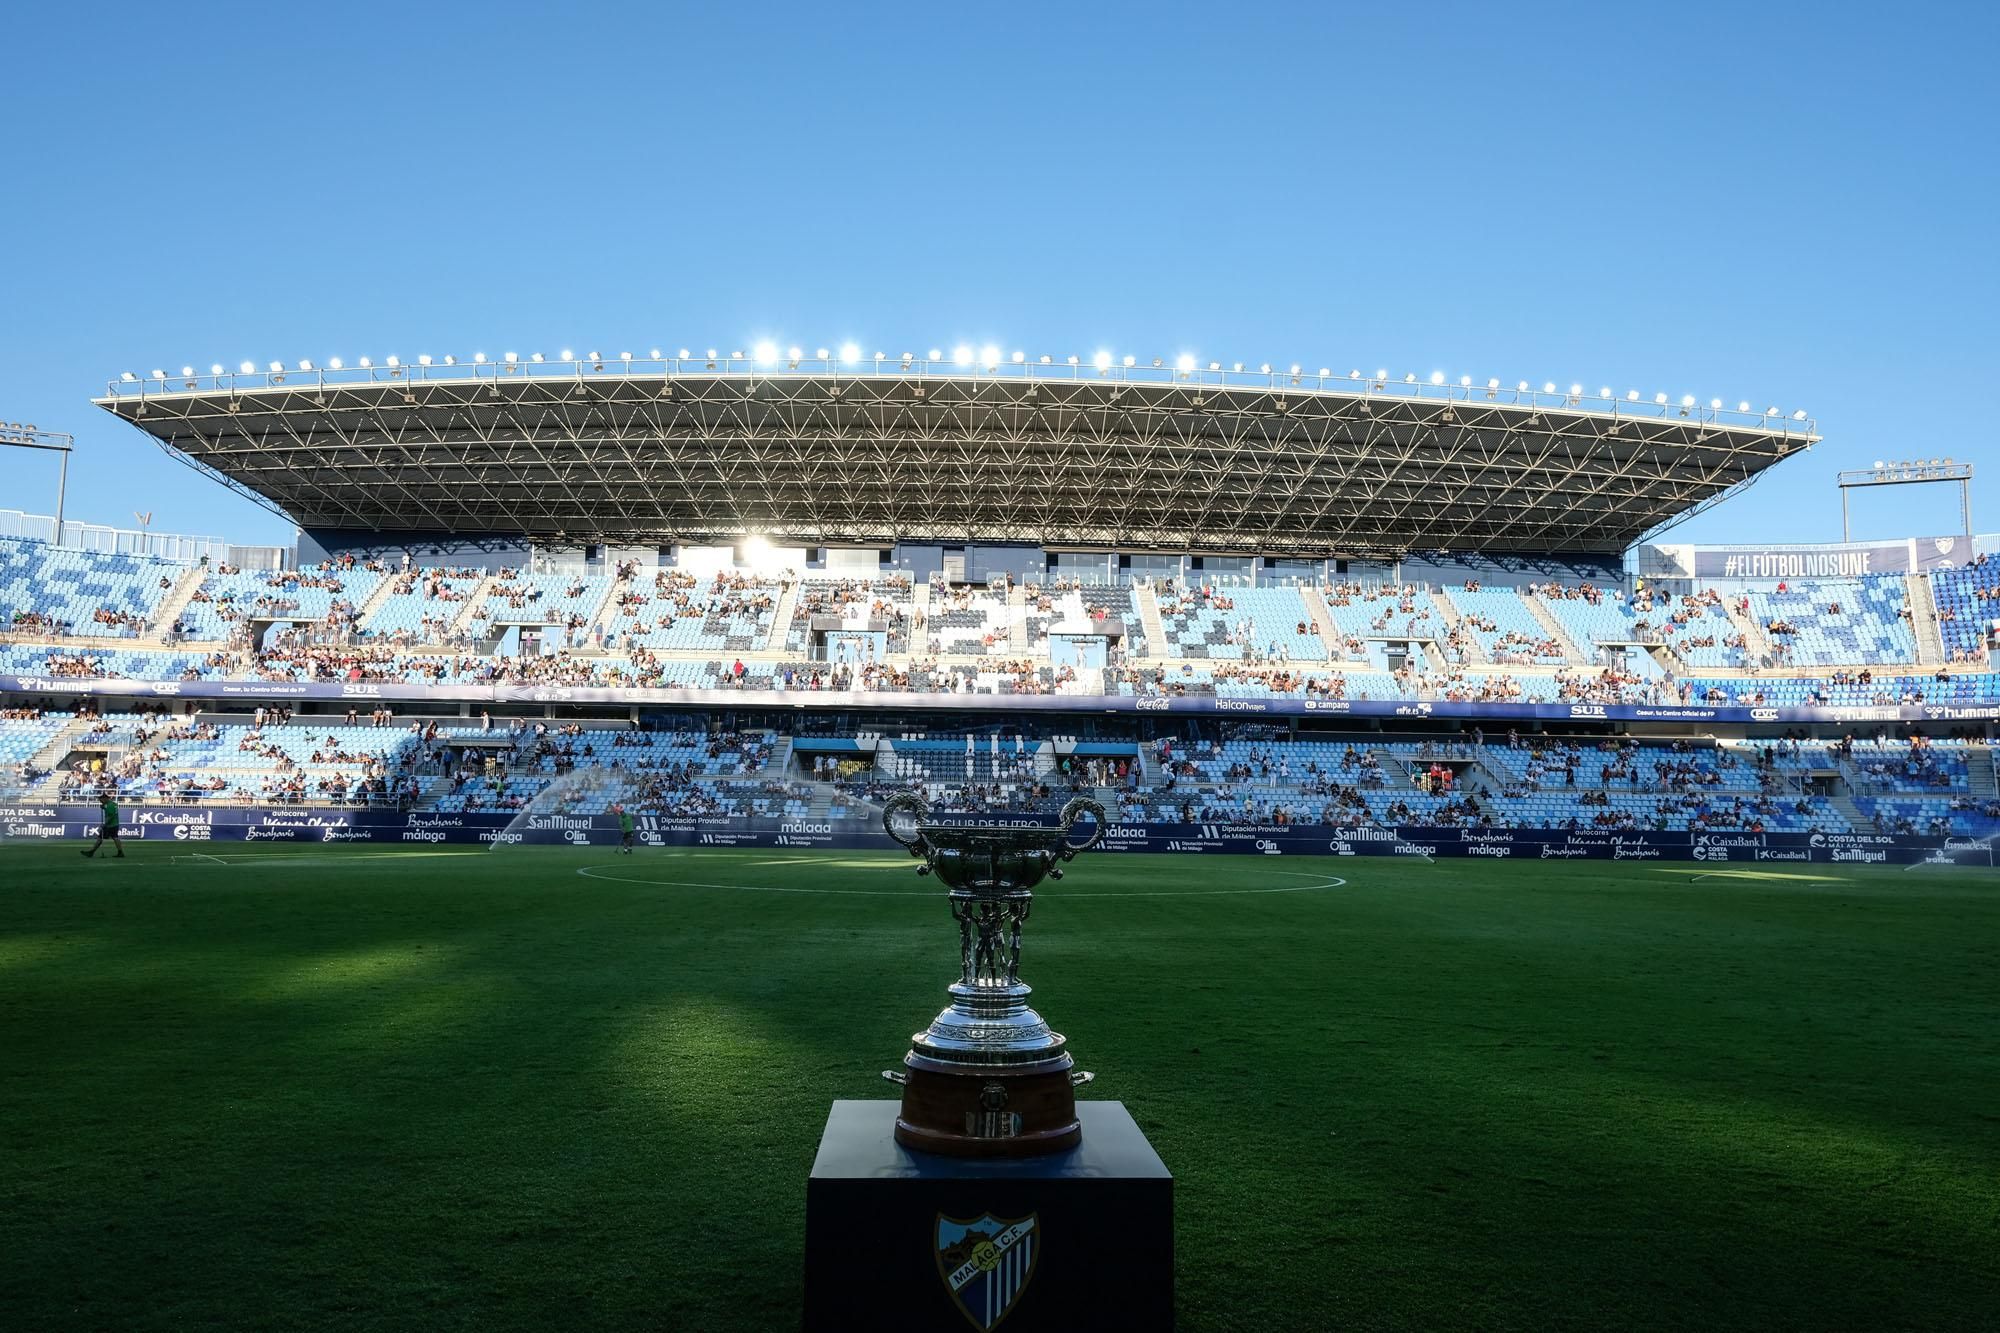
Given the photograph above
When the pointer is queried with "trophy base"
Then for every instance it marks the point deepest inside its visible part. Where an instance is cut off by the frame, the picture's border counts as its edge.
(974, 1112)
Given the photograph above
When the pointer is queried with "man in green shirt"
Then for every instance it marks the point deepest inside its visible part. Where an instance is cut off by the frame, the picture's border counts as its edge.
(624, 830)
(109, 829)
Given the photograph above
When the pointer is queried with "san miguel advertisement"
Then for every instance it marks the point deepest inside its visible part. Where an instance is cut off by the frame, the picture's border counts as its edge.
(204, 824)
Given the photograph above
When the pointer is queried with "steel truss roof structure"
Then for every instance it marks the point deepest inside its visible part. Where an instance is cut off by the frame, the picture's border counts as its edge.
(1103, 460)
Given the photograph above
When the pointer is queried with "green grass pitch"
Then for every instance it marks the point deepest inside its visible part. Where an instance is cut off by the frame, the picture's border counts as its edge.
(305, 1088)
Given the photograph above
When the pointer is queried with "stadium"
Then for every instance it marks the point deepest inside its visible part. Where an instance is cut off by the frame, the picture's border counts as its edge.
(1335, 651)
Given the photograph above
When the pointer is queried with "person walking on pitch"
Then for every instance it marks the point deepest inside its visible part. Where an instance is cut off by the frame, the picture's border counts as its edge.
(108, 829)
(624, 830)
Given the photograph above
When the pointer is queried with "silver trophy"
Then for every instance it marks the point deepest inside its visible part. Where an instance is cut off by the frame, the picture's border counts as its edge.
(988, 1077)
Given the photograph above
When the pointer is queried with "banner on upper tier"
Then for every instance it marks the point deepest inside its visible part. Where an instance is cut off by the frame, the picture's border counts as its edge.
(364, 696)
(188, 823)
(1842, 560)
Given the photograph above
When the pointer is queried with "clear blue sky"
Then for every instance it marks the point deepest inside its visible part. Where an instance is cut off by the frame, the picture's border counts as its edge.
(1790, 204)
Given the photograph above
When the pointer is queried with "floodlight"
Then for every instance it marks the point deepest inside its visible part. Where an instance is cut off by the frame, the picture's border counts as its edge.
(821, 354)
(766, 352)
(1072, 359)
(852, 352)
(535, 357)
(1743, 407)
(1687, 400)
(1800, 415)
(509, 358)
(159, 374)
(1549, 387)
(1236, 366)
(1492, 384)
(1660, 398)
(1410, 377)
(1185, 364)
(1715, 404)
(391, 361)
(215, 369)
(335, 363)
(1465, 381)
(1128, 361)
(711, 354)
(936, 354)
(1264, 368)
(684, 354)
(1102, 360)
(278, 368)
(424, 359)
(1437, 377)
(1770, 411)
(305, 365)
(1324, 372)
(479, 358)
(1576, 391)
(1381, 374)
(566, 355)
(451, 360)
(1604, 392)
(1019, 357)
(655, 355)
(366, 364)
(793, 354)
(127, 376)
(622, 356)
(1879, 465)
(989, 355)
(1631, 395)
(187, 370)
(1046, 358)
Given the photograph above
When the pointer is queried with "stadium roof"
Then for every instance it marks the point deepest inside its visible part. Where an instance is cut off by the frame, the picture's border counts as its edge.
(827, 452)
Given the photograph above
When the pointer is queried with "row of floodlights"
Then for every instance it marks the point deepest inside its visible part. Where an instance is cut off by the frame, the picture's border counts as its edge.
(1909, 464)
(988, 357)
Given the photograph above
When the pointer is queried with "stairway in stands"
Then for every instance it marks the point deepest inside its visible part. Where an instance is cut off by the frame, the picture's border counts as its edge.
(1149, 618)
(1553, 627)
(1475, 651)
(1017, 620)
(384, 589)
(173, 604)
(1322, 621)
(462, 622)
(781, 617)
(1923, 619)
(1759, 642)
(1844, 805)
(1983, 782)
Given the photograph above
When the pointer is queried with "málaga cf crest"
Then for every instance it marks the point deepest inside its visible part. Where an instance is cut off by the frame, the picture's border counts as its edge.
(985, 1263)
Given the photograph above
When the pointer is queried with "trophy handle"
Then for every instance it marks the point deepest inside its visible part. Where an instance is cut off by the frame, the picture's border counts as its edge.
(1082, 805)
(917, 806)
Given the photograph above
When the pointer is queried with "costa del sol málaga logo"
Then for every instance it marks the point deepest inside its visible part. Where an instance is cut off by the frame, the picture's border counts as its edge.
(986, 1263)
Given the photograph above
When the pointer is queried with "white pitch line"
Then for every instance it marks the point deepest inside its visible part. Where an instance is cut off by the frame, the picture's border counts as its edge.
(1329, 882)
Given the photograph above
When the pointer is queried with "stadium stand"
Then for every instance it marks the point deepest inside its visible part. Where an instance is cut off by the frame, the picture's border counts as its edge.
(1838, 622)
(1270, 624)
(1968, 607)
(56, 590)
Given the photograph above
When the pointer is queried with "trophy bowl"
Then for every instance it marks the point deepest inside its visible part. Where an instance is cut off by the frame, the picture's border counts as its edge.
(988, 1078)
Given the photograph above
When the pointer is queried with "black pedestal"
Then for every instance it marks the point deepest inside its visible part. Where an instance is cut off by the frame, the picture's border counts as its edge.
(1080, 1239)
